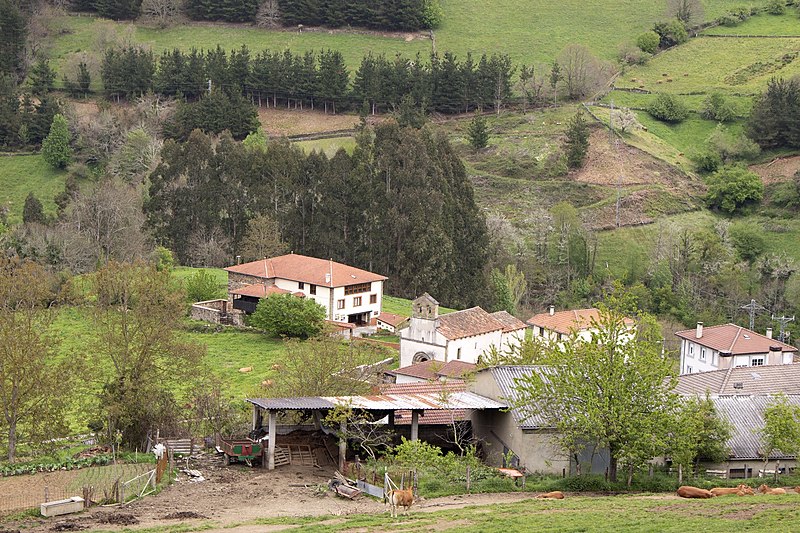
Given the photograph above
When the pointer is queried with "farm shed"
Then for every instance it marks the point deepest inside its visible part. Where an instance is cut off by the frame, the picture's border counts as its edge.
(379, 406)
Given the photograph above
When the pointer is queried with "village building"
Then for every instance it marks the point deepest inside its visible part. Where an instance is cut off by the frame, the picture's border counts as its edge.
(348, 294)
(557, 326)
(519, 437)
(391, 322)
(428, 371)
(461, 335)
(740, 395)
(705, 349)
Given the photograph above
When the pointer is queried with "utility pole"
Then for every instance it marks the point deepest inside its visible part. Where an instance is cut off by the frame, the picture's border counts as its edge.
(209, 86)
(783, 320)
(752, 307)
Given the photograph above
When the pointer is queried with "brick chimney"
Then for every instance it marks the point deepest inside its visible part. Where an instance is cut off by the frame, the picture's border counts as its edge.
(552, 310)
(698, 334)
(769, 333)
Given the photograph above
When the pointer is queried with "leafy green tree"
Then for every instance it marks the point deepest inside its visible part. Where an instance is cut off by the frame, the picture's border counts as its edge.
(203, 286)
(289, 316)
(716, 107)
(781, 431)
(648, 42)
(698, 433)
(748, 241)
(775, 118)
(733, 187)
(56, 148)
(612, 390)
(42, 78)
(478, 133)
(32, 211)
(577, 141)
(432, 14)
(163, 259)
(35, 382)
(509, 288)
(671, 33)
(668, 108)
(142, 359)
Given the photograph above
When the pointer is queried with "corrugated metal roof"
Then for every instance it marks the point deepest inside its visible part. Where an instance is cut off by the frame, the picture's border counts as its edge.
(746, 414)
(506, 378)
(384, 402)
(750, 380)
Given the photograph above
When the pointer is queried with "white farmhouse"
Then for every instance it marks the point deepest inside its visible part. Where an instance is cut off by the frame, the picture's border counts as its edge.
(730, 346)
(348, 294)
(556, 327)
(459, 336)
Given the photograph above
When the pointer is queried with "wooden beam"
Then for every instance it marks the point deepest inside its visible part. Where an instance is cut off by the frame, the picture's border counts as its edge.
(272, 437)
(414, 424)
(342, 445)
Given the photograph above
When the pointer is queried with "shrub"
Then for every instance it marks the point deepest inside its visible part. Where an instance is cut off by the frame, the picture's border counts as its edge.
(728, 20)
(288, 315)
(716, 107)
(478, 133)
(733, 187)
(731, 146)
(163, 259)
(707, 161)
(748, 241)
(648, 42)
(776, 7)
(668, 108)
(432, 14)
(671, 33)
(632, 55)
(202, 286)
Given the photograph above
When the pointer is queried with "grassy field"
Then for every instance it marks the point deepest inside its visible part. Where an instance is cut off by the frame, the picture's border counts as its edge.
(704, 65)
(21, 174)
(328, 146)
(765, 24)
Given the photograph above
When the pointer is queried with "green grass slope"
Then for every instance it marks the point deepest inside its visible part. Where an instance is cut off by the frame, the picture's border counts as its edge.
(21, 174)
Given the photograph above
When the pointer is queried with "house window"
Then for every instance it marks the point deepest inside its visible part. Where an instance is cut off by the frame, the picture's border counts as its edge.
(559, 336)
(541, 332)
(373, 298)
(458, 353)
(355, 289)
(339, 304)
(312, 289)
(702, 354)
(691, 350)
(356, 301)
(757, 361)
(688, 370)
(301, 285)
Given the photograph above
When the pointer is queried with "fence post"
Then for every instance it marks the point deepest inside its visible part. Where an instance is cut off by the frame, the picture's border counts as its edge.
(46, 494)
(777, 467)
(468, 479)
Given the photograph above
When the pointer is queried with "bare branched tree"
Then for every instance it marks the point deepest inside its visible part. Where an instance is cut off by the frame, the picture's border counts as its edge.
(164, 12)
(583, 72)
(357, 426)
(690, 12)
(268, 15)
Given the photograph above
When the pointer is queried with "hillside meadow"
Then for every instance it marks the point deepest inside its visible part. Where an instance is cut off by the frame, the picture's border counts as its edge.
(21, 174)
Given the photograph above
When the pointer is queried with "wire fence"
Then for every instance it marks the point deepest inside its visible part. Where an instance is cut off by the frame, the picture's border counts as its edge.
(100, 484)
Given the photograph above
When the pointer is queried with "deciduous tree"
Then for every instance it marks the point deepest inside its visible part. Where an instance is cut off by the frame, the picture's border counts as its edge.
(262, 239)
(781, 431)
(288, 315)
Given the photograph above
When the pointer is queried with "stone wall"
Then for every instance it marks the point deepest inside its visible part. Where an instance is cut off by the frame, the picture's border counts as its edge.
(211, 311)
(237, 281)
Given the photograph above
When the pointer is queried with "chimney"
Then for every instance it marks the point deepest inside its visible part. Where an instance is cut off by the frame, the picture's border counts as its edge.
(238, 259)
(552, 310)
(769, 333)
(699, 332)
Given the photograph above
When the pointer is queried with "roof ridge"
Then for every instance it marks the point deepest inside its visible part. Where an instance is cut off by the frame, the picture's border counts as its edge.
(735, 337)
(726, 379)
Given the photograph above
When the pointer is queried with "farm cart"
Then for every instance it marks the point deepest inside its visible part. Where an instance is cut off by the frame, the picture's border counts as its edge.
(242, 449)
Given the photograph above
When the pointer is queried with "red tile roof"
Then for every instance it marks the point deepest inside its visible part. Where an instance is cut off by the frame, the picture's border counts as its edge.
(260, 291)
(734, 339)
(431, 417)
(468, 323)
(508, 320)
(433, 370)
(392, 319)
(312, 270)
(566, 321)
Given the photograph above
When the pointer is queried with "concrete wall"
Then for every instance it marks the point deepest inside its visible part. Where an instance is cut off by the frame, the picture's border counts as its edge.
(472, 347)
(420, 336)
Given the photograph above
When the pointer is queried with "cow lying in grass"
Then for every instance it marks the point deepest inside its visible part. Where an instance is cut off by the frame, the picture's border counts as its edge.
(764, 489)
(400, 498)
(741, 490)
(694, 492)
(555, 495)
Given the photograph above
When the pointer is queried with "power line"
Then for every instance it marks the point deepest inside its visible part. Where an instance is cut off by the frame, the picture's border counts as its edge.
(752, 307)
(783, 320)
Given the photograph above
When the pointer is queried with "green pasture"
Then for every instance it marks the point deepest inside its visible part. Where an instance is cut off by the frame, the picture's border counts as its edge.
(328, 146)
(741, 104)
(21, 174)
(764, 24)
(705, 65)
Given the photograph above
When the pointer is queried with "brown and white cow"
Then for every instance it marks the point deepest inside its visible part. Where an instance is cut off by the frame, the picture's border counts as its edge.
(741, 490)
(400, 498)
(694, 492)
(764, 489)
(555, 495)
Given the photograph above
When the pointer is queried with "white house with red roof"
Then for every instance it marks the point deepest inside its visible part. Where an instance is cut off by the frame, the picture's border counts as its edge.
(704, 349)
(557, 326)
(348, 294)
(459, 336)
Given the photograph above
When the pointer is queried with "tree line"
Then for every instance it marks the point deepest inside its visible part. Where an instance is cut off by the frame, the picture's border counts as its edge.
(401, 205)
(443, 84)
